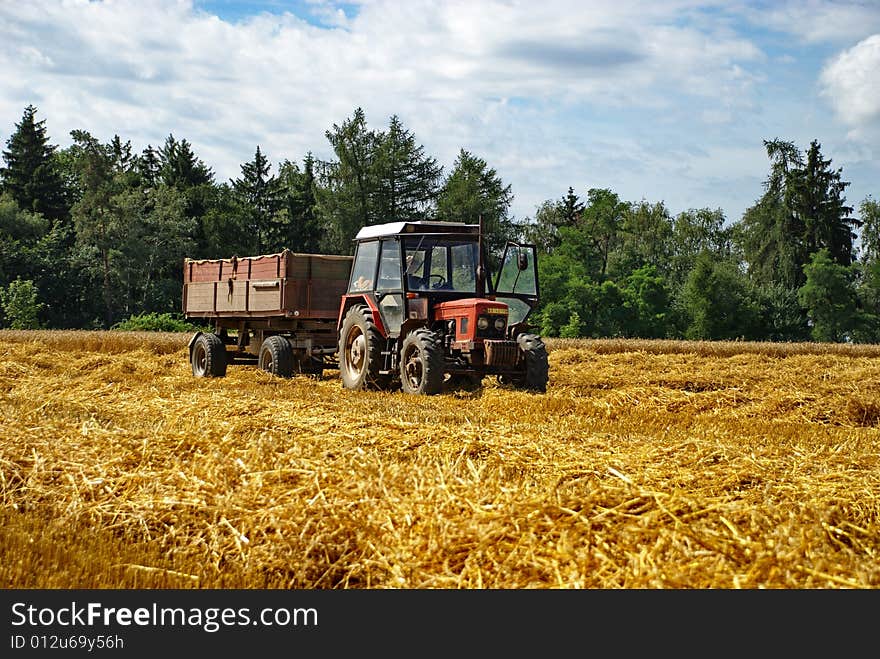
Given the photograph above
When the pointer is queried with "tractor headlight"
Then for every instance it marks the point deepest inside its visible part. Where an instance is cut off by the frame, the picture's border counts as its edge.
(499, 324)
(482, 323)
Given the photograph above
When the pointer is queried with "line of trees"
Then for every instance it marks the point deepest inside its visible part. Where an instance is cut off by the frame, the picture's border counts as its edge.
(788, 270)
(95, 233)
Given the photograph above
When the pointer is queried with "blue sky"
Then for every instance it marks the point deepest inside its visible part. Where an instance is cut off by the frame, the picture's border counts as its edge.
(663, 101)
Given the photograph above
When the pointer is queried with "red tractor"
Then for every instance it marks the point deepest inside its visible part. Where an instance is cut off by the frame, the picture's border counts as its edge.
(421, 307)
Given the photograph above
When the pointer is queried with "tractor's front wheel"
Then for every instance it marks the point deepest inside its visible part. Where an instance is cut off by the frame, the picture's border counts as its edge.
(421, 363)
(536, 366)
(360, 351)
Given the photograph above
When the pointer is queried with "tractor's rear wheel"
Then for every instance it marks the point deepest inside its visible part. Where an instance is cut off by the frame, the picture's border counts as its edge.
(208, 357)
(276, 356)
(421, 363)
(360, 351)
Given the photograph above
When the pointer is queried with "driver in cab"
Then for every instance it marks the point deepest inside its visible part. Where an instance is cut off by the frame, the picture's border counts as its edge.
(413, 281)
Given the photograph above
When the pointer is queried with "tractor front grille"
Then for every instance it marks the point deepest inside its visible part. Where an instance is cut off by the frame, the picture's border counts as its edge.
(501, 353)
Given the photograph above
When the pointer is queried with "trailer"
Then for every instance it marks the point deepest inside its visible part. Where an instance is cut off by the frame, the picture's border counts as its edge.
(276, 310)
(415, 307)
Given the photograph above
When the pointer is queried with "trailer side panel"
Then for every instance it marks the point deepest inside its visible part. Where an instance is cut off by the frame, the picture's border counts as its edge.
(287, 284)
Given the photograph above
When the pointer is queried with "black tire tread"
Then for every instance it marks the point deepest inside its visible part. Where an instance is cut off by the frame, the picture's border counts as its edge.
(433, 364)
(537, 371)
(282, 355)
(215, 356)
(361, 316)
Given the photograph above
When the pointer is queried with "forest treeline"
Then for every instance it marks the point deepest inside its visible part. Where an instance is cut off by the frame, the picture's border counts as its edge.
(95, 234)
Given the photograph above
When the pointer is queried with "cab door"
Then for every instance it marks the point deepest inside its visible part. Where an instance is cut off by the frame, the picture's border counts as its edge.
(517, 281)
(389, 287)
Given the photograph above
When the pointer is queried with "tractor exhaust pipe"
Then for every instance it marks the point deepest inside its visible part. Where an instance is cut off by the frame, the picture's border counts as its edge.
(481, 263)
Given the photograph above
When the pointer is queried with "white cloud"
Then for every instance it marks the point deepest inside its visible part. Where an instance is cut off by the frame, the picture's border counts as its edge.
(851, 83)
(534, 88)
(818, 21)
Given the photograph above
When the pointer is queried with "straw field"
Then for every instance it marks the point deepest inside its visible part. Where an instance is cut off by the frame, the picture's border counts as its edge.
(647, 464)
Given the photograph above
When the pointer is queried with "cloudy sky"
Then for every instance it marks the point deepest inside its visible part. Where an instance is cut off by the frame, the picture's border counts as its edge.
(666, 100)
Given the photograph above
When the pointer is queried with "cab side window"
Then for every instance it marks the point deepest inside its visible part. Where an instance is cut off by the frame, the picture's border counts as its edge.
(364, 269)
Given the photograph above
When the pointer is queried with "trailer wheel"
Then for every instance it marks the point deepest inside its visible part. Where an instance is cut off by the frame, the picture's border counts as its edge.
(208, 358)
(360, 351)
(537, 366)
(276, 356)
(421, 363)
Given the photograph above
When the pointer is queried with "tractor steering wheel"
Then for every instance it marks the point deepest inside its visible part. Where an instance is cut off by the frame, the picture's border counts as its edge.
(441, 280)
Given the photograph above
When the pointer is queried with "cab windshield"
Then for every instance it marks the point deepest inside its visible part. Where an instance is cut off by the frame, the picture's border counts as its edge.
(440, 264)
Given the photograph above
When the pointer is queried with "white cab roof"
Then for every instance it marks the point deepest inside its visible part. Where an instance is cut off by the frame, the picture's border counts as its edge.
(396, 228)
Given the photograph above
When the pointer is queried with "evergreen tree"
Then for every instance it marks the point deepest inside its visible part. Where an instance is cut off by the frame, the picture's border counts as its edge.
(718, 301)
(102, 225)
(802, 210)
(261, 196)
(149, 167)
(180, 167)
(814, 196)
(303, 233)
(572, 209)
(123, 159)
(550, 217)
(474, 190)
(406, 180)
(31, 175)
(183, 170)
(131, 237)
(829, 297)
(97, 226)
(782, 318)
(226, 226)
(347, 184)
(767, 233)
